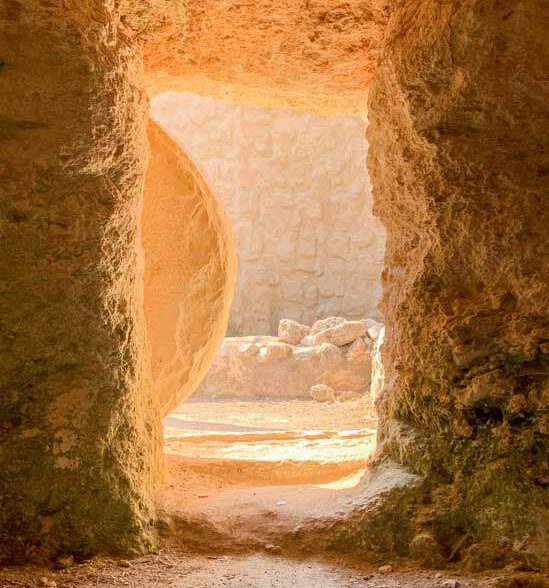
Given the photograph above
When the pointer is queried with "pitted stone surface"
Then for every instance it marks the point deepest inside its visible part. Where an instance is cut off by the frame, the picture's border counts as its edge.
(78, 427)
(315, 54)
(300, 204)
(190, 271)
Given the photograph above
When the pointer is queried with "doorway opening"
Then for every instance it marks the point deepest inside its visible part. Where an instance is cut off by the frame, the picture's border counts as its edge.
(281, 427)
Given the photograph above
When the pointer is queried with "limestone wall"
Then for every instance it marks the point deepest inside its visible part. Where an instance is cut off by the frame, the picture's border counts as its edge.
(459, 164)
(300, 202)
(77, 429)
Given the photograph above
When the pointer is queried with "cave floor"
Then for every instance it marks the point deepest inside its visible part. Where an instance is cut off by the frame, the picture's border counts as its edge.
(229, 510)
(250, 474)
(177, 570)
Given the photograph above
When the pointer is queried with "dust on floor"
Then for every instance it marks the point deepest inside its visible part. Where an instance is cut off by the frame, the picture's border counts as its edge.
(264, 414)
(171, 570)
(249, 474)
(235, 511)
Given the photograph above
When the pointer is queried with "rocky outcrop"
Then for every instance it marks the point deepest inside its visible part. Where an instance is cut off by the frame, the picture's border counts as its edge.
(266, 367)
(79, 434)
(291, 332)
(316, 55)
(342, 334)
(458, 111)
(459, 169)
(300, 207)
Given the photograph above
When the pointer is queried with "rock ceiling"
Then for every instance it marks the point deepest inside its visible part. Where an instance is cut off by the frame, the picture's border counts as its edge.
(312, 54)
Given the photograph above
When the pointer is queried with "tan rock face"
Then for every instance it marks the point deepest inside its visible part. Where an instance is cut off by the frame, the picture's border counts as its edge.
(459, 171)
(318, 54)
(326, 323)
(190, 271)
(458, 112)
(292, 332)
(342, 334)
(265, 367)
(300, 204)
(78, 430)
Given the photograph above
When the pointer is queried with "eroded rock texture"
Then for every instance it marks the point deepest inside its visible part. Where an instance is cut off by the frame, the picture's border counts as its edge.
(77, 424)
(269, 367)
(190, 271)
(311, 54)
(459, 161)
(299, 200)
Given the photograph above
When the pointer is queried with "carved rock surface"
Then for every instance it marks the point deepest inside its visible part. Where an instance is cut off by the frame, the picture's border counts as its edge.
(298, 196)
(317, 55)
(190, 270)
(79, 434)
(459, 168)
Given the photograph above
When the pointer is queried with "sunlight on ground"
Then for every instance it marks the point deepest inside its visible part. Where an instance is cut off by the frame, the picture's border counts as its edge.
(323, 447)
(344, 483)
(282, 442)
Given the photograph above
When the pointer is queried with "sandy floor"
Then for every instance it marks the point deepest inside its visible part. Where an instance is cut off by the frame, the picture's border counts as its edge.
(243, 505)
(170, 570)
(251, 473)
(290, 415)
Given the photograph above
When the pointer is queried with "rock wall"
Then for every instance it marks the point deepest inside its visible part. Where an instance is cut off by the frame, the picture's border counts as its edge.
(78, 431)
(317, 55)
(300, 204)
(458, 157)
(336, 357)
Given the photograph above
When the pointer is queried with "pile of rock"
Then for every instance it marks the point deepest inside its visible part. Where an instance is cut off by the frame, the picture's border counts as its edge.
(355, 339)
(329, 361)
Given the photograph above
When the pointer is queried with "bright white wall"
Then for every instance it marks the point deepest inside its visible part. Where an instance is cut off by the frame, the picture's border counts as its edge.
(298, 193)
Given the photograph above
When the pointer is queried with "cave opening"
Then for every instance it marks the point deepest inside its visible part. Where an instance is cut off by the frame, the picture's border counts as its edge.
(118, 270)
(286, 407)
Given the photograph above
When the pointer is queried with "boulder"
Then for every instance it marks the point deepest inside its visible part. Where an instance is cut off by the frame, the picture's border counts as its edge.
(327, 323)
(322, 393)
(360, 350)
(329, 354)
(308, 341)
(344, 380)
(262, 366)
(343, 333)
(291, 332)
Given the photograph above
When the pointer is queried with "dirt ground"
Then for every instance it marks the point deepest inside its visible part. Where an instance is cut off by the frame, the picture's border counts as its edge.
(229, 504)
(250, 474)
(172, 570)
(290, 415)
